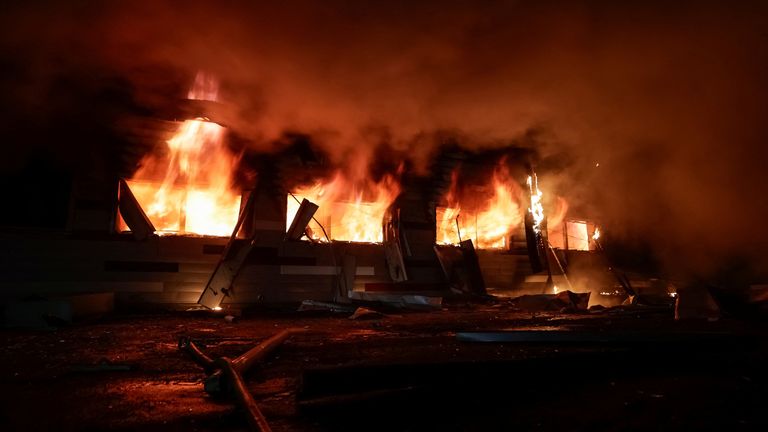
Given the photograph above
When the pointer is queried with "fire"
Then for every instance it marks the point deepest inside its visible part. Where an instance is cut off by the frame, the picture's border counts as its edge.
(490, 224)
(536, 209)
(187, 188)
(556, 213)
(596, 235)
(349, 210)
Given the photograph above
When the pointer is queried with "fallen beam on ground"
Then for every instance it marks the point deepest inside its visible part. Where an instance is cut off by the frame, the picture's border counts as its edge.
(256, 418)
(262, 350)
(241, 364)
(232, 372)
(186, 344)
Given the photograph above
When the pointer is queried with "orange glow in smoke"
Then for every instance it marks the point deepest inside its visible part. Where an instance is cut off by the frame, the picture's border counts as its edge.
(187, 187)
(489, 226)
(349, 211)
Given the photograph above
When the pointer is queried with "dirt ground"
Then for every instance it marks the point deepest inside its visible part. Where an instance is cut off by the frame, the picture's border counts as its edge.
(48, 385)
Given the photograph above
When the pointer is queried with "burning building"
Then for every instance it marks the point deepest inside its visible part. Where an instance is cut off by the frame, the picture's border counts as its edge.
(192, 201)
(347, 163)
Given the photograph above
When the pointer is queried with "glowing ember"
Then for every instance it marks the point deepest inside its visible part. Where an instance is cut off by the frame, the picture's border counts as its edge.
(488, 226)
(536, 209)
(188, 187)
(349, 211)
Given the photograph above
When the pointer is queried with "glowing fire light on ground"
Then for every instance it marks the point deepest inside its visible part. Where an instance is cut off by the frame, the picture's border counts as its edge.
(349, 210)
(187, 187)
(490, 225)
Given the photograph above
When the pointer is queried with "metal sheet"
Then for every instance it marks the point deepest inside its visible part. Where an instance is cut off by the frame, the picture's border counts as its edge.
(305, 213)
(133, 214)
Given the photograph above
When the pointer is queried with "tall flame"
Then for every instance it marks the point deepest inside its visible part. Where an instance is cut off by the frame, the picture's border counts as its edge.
(349, 210)
(536, 209)
(489, 225)
(187, 188)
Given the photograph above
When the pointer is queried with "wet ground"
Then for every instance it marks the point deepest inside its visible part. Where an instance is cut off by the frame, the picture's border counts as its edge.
(125, 372)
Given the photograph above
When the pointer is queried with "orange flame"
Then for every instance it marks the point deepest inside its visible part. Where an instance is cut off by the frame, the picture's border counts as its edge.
(349, 210)
(188, 187)
(556, 215)
(489, 226)
(536, 209)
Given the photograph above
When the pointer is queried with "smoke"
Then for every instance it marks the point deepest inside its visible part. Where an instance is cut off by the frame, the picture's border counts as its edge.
(667, 99)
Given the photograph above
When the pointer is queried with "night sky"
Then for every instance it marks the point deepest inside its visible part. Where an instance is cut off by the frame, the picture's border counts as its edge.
(668, 97)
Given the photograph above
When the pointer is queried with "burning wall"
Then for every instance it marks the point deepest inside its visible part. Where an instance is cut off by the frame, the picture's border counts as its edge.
(488, 213)
(186, 186)
(349, 210)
